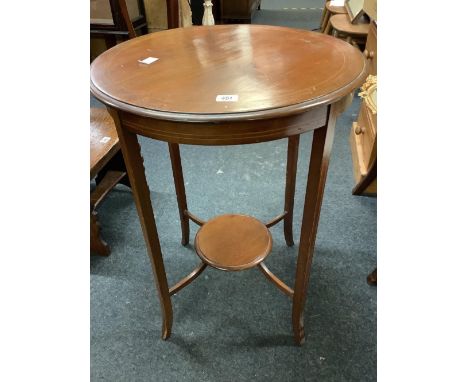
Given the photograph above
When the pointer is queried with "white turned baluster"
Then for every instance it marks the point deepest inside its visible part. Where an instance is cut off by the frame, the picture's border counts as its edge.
(208, 18)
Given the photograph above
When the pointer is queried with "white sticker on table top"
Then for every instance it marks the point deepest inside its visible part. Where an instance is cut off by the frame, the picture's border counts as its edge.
(148, 60)
(105, 139)
(227, 98)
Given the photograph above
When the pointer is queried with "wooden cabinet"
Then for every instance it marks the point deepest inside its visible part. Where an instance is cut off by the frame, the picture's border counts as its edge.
(363, 135)
(239, 10)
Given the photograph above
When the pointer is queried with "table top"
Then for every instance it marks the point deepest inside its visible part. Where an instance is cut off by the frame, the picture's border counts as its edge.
(264, 69)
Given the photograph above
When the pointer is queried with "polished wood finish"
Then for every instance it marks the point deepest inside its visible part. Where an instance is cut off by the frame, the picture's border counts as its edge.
(226, 59)
(318, 167)
(219, 132)
(188, 279)
(276, 281)
(233, 242)
(136, 172)
(179, 184)
(291, 169)
(276, 220)
(194, 218)
(284, 90)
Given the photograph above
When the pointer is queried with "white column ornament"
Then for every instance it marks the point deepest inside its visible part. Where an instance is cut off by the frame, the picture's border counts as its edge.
(208, 18)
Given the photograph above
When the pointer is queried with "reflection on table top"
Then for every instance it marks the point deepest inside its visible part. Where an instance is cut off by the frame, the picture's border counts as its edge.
(262, 67)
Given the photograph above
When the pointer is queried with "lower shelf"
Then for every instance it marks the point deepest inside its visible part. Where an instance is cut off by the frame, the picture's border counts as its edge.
(233, 242)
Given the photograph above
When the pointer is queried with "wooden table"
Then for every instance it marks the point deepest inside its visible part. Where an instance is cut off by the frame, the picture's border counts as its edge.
(229, 85)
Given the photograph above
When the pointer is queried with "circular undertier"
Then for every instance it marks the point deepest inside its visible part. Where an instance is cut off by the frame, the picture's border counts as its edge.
(233, 242)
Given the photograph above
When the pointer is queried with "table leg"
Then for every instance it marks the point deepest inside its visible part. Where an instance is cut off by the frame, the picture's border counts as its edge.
(291, 168)
(180, 190)
(136, 172)
(318, 167)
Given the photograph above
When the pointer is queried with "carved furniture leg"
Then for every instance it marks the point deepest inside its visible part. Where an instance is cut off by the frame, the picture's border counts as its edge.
(318, 167)
(291, 169)
(136, 172)
(180, 190)
(97, 245)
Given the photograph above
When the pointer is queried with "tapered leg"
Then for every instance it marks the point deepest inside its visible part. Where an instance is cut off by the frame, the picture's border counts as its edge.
(136, 173)
(180, 190)
(291, 169)
(318, 167)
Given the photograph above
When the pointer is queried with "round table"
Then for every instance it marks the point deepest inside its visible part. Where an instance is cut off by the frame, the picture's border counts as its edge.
(229, 85)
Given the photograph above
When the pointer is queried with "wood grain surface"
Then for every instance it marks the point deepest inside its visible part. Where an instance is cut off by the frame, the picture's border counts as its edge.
(266, 67)
(233, 242)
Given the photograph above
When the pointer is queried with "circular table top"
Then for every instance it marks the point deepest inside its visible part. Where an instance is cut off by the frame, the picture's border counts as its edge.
(233, 242)
(261, 68)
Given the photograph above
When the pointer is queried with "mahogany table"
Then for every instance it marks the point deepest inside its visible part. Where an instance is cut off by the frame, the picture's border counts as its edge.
(229, 85)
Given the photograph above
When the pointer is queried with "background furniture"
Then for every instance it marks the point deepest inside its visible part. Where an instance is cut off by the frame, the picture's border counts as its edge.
(363, 135)
(117, 18)
(340, 26)
(328, 11)
(354, 9)
(240, 11)
(106, 166)
(230, 96)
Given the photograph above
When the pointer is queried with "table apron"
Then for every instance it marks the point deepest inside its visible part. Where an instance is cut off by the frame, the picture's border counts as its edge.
(225, 133)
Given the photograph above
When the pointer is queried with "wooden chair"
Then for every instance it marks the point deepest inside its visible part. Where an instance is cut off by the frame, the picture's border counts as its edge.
(106, 167)
(328, 11)
(120, 23)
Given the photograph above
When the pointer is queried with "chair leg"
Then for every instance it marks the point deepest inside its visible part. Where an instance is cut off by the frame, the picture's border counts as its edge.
(328, 28)
(326, 20)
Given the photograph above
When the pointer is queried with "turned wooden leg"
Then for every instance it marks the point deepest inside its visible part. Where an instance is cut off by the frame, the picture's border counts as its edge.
(97, 245)
(318, 166)
(141, 193)
(180, 191)
(291, 169)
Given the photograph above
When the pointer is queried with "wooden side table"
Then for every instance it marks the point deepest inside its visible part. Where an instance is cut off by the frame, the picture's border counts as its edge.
(328, 11)
(229, 85)
(340, 26)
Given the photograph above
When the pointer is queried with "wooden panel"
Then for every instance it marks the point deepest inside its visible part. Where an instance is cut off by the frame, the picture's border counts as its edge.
(227, 133)
(371, 47)
(366, 139)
